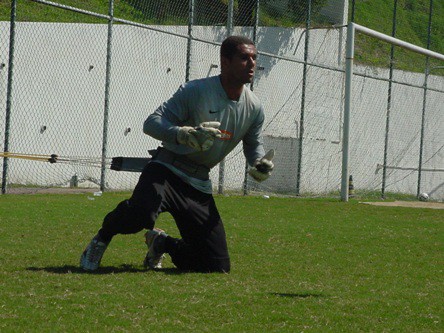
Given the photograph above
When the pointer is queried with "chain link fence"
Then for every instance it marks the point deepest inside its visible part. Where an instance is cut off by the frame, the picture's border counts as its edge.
(79, 82)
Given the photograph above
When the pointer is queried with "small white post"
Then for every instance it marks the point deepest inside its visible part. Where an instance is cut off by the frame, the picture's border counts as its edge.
(347, 108)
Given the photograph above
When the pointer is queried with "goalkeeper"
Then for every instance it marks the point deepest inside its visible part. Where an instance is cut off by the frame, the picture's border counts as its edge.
(198, 126)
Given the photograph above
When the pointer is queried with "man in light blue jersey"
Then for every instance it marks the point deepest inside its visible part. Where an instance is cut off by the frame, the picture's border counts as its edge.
(198, 126)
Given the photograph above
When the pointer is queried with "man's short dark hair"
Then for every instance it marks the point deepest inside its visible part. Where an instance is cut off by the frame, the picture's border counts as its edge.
(230, 44)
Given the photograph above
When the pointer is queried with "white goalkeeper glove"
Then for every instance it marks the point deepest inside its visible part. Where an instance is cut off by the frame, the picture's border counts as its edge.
(263, 167)
(200, 138)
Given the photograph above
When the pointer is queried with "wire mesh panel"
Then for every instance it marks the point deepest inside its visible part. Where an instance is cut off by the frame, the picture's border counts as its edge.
(160, 11)
(432, 177)
(146, 69)
(204, 60)
(404, 138)
(406, 126)
(85, 79)
(282, 13)
(57, 101)
(367, 129)
(282, 114)
(4, 59)
(321, 152)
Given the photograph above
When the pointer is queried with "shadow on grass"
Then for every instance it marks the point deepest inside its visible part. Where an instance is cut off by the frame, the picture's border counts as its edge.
(298, 295)
(70, 269)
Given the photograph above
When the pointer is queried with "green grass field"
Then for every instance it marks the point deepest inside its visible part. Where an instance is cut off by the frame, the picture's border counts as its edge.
(298, 265)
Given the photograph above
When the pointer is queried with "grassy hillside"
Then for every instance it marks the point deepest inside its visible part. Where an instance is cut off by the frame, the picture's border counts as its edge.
(412, 21)
(35, 12)
(412, 26)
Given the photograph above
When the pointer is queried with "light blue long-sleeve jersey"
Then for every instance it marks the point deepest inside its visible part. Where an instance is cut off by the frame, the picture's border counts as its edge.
(205, 100)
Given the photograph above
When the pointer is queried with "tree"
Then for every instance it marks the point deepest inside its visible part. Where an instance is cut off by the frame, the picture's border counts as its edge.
(245, 12)
(299, 7)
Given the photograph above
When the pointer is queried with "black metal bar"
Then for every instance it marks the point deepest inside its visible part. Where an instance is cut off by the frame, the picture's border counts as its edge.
(107, 92)
(389, 101)
(9, 93)
(303, 95)
(424, 101)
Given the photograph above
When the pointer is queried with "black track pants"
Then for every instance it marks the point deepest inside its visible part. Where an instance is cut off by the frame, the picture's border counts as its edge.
(203, 246)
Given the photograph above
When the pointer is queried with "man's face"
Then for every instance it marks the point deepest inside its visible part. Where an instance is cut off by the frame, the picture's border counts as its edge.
(241, 68)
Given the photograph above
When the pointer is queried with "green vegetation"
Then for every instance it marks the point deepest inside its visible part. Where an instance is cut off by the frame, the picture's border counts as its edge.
(412, 26)
(166, 11)
(311, 265)
(36, 12)
(412, 20)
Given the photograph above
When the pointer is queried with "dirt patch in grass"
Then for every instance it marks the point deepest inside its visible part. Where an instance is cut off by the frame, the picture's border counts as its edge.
(52, 190)
(414, 204)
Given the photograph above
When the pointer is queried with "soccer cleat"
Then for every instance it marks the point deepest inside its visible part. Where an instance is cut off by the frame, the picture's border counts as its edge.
(91, 257)
(154, 256)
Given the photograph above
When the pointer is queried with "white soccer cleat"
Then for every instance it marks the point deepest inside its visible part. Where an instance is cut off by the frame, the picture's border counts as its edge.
(154, 257)
(91, 257)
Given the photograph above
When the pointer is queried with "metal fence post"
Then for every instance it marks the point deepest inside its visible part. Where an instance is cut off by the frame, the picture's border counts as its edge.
(230, 17)
(107, 91)
(347, 109)
(303, 94)
(229, 32)
(191, 9)
(256, 25)
(389, 102)
(9, 93)
(352, 19)
(424, 101)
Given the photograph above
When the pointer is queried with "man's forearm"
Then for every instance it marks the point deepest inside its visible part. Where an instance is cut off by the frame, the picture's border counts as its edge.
(160, 128)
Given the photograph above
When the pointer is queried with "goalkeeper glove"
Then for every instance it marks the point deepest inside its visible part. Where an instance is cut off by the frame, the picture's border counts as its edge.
(263, 167)
(200, 138)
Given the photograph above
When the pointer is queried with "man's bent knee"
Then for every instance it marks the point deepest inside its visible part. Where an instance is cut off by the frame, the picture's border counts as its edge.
(204, 265)
(219, 265)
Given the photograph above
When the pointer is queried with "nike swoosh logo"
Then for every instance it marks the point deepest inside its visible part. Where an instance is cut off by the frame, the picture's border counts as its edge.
(214, 111)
